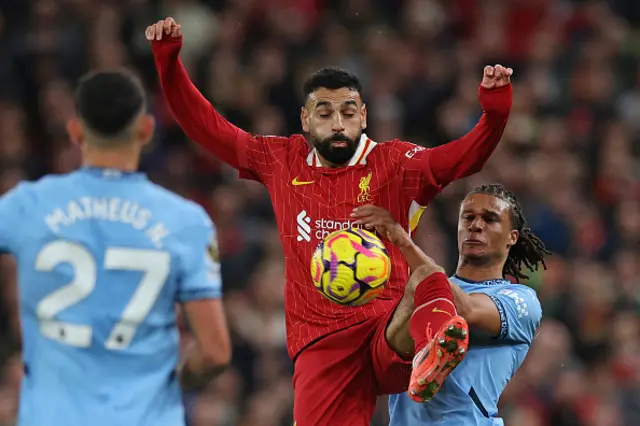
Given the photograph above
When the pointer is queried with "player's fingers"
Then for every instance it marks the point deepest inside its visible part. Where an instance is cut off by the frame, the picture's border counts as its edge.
(370, 220)
(488, 71)
(382, 231)
(175, 32)
(150, 32)
(364, 220)
(498, 71)
(169, 23)
(365, 210)
(159, 29)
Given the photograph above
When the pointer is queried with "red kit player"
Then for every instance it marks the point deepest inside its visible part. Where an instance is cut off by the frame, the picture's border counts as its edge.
(345, 356)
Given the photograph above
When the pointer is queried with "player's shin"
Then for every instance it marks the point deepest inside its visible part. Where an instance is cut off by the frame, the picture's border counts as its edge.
(433, 301)
(440, 336)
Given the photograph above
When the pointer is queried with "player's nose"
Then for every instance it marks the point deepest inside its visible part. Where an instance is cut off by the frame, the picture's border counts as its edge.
(476, 225)
(338, 126)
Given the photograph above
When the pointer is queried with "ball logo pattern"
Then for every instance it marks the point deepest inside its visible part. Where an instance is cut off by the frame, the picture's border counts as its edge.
(350, 267)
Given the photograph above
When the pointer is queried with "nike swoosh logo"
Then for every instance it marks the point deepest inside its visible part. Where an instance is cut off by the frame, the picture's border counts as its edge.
(297, 182)
(436, 310)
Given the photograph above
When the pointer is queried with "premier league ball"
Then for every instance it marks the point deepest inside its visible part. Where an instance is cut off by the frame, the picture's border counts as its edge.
(351, 267)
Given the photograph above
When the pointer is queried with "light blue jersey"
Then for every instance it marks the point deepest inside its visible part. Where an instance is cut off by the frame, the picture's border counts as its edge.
(469, 395)
(102, 258)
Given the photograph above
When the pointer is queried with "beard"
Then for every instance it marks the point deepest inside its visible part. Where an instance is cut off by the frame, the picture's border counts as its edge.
(338, 155)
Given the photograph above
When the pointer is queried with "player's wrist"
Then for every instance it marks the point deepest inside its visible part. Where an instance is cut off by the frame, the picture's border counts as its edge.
(403, 241)
(169, 46)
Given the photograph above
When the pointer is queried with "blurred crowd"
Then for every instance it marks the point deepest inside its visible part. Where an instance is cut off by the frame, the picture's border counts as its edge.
(570, 152)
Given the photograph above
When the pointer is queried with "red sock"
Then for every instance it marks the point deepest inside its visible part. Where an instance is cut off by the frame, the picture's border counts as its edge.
(434, 306)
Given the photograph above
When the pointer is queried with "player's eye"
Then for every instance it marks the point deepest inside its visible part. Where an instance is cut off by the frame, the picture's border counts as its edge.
(349, 114)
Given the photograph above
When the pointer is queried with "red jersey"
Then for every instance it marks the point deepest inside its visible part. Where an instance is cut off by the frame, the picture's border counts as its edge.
(311, 201)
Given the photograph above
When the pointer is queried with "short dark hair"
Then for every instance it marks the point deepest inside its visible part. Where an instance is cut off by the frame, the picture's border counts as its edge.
(529, 250)
(108, 101)
(332, 79)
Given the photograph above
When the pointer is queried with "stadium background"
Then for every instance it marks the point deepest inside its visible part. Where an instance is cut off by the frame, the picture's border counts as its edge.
(570, 152)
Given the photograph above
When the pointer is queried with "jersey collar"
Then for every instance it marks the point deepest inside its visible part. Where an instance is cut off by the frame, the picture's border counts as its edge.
(496, 281)
(365, 147)
(112, 174)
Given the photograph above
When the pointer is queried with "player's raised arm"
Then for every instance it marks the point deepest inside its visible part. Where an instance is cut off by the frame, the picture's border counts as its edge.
(467, 155)
(426, 171)
(195, 114)
(200, 294)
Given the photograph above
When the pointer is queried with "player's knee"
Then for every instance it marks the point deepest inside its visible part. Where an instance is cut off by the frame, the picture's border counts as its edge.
(421, 274)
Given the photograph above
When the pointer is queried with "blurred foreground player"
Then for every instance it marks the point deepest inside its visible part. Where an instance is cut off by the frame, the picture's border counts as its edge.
(493, 243)
(344, 356)
(103, 256)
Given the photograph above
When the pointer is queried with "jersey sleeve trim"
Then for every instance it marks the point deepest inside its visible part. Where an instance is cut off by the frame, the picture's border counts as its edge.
(504, 324)
(200, 294)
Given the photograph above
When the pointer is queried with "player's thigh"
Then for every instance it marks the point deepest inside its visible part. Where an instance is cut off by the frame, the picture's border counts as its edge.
(333, 381)
(392, 372)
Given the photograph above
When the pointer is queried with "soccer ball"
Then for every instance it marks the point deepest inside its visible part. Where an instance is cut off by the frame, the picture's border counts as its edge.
(350, 267)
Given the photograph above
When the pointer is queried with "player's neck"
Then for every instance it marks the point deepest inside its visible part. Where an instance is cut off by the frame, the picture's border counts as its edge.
(478, 273)
(328, 164)
(126, 159)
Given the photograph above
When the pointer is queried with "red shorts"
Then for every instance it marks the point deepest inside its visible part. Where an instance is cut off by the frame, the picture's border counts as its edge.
(337, 379)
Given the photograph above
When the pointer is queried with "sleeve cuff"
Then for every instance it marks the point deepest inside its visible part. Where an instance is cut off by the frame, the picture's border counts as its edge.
(169, 46)
(504, 325)
(191, 295)
(496, 101)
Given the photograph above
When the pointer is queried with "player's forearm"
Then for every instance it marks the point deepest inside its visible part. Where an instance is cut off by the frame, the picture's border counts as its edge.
(467, 155)
(477, 309)
(413, 254)
(195, 114)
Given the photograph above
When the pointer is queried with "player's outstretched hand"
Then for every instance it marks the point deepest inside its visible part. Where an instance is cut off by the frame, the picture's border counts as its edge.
(374, 217)
(163, 27)
(496, 76)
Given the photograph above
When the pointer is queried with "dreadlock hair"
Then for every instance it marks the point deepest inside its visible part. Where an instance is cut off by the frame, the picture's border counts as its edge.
(529, 250)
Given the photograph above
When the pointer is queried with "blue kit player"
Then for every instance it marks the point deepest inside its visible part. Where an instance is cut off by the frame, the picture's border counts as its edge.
(503, 317)
(103, 256)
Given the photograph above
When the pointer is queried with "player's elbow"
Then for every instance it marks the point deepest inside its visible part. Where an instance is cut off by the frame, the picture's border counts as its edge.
(472, 315)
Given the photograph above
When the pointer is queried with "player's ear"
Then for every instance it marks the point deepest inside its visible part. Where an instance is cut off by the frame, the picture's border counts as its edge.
(75, 130)
(146, 127)
(513, 238)
(363, 116)
(304, 119)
